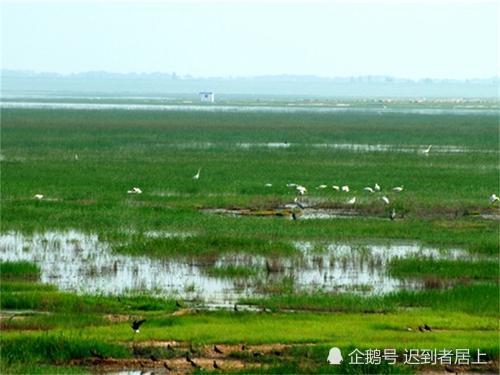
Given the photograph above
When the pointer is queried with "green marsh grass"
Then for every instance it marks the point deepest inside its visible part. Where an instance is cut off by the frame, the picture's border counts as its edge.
(19, 270)
(444, 268)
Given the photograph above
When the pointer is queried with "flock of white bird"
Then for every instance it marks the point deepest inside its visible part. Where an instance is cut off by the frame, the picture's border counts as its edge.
(302, 190)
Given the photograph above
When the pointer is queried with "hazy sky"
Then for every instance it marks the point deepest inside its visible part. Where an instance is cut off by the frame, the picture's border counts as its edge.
(437, 39)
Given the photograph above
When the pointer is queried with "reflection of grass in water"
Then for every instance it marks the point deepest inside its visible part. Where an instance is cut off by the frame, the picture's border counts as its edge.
(232, 271)
(444, 268)
(283, 285)
(19, 270)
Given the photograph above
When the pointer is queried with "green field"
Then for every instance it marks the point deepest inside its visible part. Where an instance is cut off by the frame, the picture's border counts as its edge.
(85, 161)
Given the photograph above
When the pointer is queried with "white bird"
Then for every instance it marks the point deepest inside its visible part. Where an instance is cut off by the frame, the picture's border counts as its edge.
(76, 156)
(38, 196)
(427, 150)
(322, 187)
(494, 198)
(369, 189)
(392, 215)
(377, 187)
(385, 199)
(352, 200)
(301, 189)
(345, 188)
(135, 190)
(397, 189)
(197, 175)
(336, 187)
(268, 185)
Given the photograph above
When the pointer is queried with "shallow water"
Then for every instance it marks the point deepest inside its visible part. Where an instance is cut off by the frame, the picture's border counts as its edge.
(291, 108)
(79, 262)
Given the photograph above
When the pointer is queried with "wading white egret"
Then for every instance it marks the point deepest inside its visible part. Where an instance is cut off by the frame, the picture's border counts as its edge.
(377, 187)
(197, 175)
(385, 199)
(336, 187)
(322, 187)
(494, 198)
(427, 150)
(135, 190)
(369, 189)
(352, 200)
(345, 188)
(38, 196)
(76, 156)
(398, 189)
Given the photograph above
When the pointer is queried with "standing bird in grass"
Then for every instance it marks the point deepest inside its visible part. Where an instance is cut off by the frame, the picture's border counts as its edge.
(493, 198)
(301, 189)
(136, 324)
(397, 189)
(294, 216)
(345, 189)
(197, 175)
(216, 366)
(191, 362)
(336, 187)
(217, 350)
(392, 215)
(76, 157)
(385, 199)
(369, 189)
(352, 200)
(377, 187)
(40, 196)
(427, 150)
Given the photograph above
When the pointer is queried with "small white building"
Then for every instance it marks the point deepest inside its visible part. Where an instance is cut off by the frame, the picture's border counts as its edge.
(207, 97)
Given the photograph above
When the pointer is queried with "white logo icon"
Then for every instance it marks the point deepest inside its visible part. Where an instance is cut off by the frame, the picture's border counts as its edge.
(334, 356)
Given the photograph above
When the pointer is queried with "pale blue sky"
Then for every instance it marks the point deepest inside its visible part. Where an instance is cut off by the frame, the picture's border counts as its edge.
(444, 40)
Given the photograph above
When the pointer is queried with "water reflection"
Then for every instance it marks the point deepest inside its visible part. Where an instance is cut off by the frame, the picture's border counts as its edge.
(76, 261)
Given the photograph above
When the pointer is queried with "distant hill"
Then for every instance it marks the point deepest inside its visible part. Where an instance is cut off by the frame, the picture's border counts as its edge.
(15, 82)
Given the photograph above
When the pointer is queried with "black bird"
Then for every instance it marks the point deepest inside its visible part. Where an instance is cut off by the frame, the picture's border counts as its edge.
(191, 362)
(177, 304)
(392, 215)
(294, 216)
(421, 329)
(153, 358)
(216, 366)
(450, 369)
(167, 367)
(257, 354)
(235, 307)
(96, 354)
(427, 328)
(243, 347)
(217, 350)
(169, 347)
(136, 324)
(277, 352)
